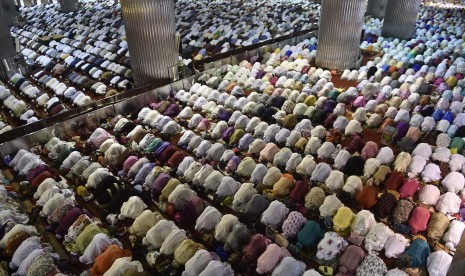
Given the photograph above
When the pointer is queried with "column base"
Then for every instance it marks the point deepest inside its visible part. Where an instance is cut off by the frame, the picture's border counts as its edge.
(16, 63)
(69, 5)
(400, 18)
(341, 24)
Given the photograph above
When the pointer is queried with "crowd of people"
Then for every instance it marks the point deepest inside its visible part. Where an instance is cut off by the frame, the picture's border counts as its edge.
(270, 166)
(83, 56)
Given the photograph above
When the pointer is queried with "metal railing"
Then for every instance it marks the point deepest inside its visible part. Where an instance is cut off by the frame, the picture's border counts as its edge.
(282, 40)
(35, 133)
(63, 125)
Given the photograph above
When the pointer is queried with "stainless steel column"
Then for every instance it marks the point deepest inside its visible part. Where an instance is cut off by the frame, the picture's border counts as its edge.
(7, 46)
(376, 8)
(68, 5)
(9, 7)
(150, 30)
(400, 18)
(341, 23)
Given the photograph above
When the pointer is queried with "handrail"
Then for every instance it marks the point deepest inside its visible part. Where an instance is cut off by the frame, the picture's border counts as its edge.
(235, 59)
(40, 132)
(243, 49)
(150, 90)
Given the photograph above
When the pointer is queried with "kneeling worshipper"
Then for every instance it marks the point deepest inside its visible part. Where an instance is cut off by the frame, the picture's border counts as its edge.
(85, 238)
(99, 243)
